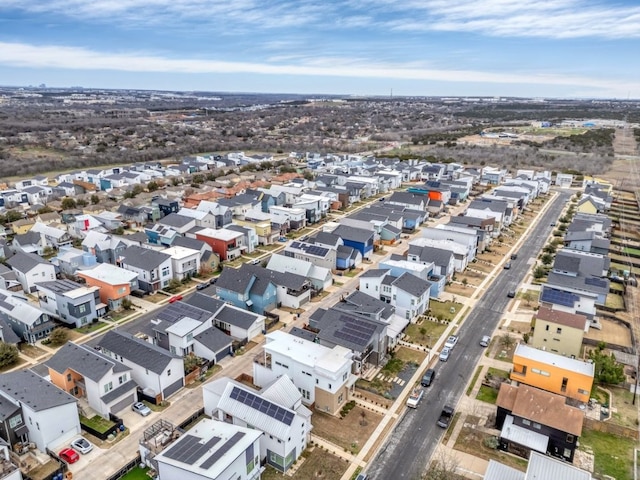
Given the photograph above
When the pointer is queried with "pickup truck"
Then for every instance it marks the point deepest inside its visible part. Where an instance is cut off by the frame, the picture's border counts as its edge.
(415, 397)
(445, 416)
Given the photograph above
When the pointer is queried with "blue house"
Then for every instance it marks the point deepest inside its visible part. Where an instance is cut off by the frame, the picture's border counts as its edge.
(246, 288)
(358, 238)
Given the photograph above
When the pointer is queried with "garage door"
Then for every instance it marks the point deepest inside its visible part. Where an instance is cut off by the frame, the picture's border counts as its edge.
(171, 389)
(122, 404)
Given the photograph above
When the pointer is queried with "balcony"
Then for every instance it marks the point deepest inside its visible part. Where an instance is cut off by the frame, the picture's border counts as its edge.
(263, 359)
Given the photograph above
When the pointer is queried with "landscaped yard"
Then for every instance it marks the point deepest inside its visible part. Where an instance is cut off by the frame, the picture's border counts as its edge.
(317, 464)
(613, 454)
(491, 385)
(472, 441)
(443, 309)
(425, 332)
(31, 351)
(91, 327)
(349, 432)
(137, 474)
(97, 422)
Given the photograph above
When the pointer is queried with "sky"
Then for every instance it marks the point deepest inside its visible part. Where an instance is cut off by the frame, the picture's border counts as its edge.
(543, 48)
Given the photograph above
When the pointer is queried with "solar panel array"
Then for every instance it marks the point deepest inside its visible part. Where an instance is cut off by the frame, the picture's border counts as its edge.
(558, 297)
(5, 305)
(265, 406)
(190, 449)
(355, 331)
(176, 311)
(596, 282)
(219, 453)
(310, 248)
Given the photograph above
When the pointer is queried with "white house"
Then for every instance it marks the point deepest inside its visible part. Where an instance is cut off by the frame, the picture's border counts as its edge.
(203, 218)
(276, 410)
(154, 269)
(321, 374)
(31, 269)
(211, 450)
(44, 414)
(185, 261)
(321, 278)
(104, 383)
(460, 252)
(157, 371)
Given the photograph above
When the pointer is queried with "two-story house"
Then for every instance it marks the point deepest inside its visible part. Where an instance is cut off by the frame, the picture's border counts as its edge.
(158, 372)
(244, 288)
(559, 332)
(227, 244)
(71, 303)
(31, 269)
(276, 410)
(154, 268)
(114, 283)
(104, 383)
(321, 374)
(28, 322)
(185, 262)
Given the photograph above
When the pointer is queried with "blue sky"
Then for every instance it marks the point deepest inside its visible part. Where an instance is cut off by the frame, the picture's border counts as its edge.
(547, 48)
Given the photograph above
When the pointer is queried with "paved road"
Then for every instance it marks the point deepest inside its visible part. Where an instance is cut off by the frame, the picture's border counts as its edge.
(410, 446)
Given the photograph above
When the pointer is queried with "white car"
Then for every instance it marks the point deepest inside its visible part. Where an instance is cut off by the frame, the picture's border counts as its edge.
(451, 342)
(444, 354)
(82, 445)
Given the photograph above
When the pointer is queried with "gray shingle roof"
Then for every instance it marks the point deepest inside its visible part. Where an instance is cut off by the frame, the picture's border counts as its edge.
(23, 262)
(143, 258)
(145, 354)
(205, 302)
(235, 279)
(32, 390)
(175, 220)
(214, 339)
(86, 361)
(119, 391)
(375, 273)
(359, 235)
(412, 284)
(237, 317)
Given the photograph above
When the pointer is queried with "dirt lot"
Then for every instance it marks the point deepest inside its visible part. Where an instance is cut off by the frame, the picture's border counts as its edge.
(318, 464)
(350, 432)
(612, 332)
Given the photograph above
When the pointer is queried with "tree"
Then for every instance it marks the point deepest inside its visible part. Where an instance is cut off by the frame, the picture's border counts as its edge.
(9, 354)
(550, 248)
(126, 304)
(59, 336)
(465, 282)
(527, 296)
(81, 202)
(607, 369)
(507, 341)
(442, 468)
(191, 362)
(95, 199)
(547, 259)
(173, 285)
(539, 272)
(152, 186)
(68, 203)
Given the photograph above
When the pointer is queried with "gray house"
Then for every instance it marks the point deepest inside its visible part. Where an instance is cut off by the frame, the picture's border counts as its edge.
(27, 322)
(71, 303)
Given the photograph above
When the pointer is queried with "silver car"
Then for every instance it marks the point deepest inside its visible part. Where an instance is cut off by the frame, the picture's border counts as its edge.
(141, 408)
(82, 445)
(444, 354)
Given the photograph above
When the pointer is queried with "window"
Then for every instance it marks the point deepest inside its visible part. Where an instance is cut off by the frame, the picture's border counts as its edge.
(165, 271)
(413, 302)
(82, 308)
(15, 421)
(344, 376)
(546, 328)
(537, 426)
(108, 387)
(340, 398)
(563, 388)
(583, 392)
(68, 377)
(526, 422)
(558, 330)
(122, 379)
(570, 438)
(169, 373)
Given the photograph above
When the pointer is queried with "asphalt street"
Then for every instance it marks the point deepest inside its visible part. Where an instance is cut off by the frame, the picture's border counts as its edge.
(409, 447)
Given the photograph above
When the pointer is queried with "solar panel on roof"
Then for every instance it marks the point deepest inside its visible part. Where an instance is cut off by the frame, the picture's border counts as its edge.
(6, 306)
(219, 453)
(597, 282)
(265, 406)
(190, 449)
(558, 297)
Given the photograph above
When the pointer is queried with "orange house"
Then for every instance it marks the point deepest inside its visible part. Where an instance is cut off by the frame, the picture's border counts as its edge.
(552, 372)
(115, 283)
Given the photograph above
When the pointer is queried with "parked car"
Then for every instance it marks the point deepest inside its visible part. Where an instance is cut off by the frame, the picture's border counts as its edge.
(213, 281)
(444, 354)
(553, 224)
(485, 340)
(82, 445)
(511, 293)
(69, 455)
(451, 342)
(514, 256)
(175, 298)
(141, 408)
(362, 476)
(507, 266)
(428, 378)
(202, 286)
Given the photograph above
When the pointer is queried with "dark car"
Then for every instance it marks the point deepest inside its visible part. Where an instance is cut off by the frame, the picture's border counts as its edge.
(514, 256)
(428, 377)
(507, 266)
(511, 293)
(553, 224)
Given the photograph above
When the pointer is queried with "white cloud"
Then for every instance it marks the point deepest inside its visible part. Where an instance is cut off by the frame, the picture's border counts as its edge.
(73, 58)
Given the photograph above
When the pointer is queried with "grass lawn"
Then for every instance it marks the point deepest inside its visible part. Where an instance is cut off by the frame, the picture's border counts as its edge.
(137, 474)
(613, 454)
(393, 367)
(631, 251)
(92, 327)
(408, 355)
(614, 301)
(443, 309)
(97, 422)
(488, 393)
(432, 331)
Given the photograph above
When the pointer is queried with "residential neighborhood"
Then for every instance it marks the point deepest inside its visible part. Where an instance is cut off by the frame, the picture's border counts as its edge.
(228, 333)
